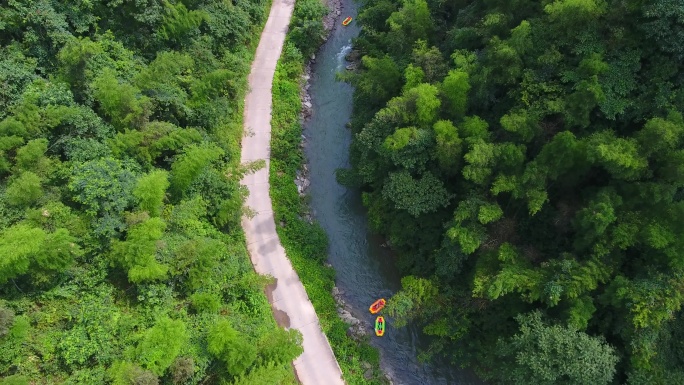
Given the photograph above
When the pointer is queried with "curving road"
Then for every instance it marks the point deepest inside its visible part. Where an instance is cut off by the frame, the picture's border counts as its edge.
(290, 304)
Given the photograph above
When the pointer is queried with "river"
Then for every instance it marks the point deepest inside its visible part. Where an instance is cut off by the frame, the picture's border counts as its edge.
(364, 270)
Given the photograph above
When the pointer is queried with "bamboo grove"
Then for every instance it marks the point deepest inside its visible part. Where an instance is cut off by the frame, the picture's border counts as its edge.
(122, 259)
(525, 160)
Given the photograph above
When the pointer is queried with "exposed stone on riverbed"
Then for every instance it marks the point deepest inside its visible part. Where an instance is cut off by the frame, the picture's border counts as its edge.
(358, 329)
(354, 59)
(302, 180)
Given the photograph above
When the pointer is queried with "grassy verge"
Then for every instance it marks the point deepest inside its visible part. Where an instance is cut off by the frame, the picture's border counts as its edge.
(306, 244)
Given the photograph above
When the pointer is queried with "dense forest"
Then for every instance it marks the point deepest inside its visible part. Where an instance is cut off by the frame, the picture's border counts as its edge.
(525, 160)
(122, 260)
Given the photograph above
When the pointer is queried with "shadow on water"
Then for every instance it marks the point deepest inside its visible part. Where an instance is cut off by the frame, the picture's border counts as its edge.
(364, 269)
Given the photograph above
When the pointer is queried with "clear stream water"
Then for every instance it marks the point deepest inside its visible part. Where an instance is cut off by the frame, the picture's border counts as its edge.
(365, 270)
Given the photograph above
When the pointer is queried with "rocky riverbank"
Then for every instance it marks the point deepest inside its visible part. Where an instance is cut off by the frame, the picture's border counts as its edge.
(329, 21)
(358, 330)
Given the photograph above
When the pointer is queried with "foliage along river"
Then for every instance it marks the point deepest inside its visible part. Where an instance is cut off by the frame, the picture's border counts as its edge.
(364, 270)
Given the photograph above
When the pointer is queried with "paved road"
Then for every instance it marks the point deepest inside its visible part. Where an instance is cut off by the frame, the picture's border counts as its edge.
(291, 306)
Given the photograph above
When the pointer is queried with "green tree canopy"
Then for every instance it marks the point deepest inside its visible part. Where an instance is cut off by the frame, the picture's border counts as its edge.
(121, 102)
(25, 190)
(137, 254)
(127, 373)
(226, 344)
(23, 248)
(542, 354)
(150, 191)
(280, 346)
(191, 163)
(120, 200)
(161, 345)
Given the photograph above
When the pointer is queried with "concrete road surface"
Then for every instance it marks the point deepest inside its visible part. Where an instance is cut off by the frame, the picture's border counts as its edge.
(291, 306)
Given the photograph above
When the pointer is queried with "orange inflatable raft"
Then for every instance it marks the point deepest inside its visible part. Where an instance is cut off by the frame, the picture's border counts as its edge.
(377, 305)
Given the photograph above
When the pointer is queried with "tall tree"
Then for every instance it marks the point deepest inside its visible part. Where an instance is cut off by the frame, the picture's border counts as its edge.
(191, 163)
(161, 344)
(150, 191)
(226, 344)
(542, 354)
(137, 254)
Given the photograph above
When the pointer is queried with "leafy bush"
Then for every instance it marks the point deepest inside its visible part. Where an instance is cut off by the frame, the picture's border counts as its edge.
(206, 302)
(24, 190)
(182, 370)
(280, 346)
(127, 373)
(150, 190)
(6, 321)
(137, 253)
(226, 344)
(306, 26)
(23, 247)
(104, 187)
(190, 164)
(161, 344)
(15, 380)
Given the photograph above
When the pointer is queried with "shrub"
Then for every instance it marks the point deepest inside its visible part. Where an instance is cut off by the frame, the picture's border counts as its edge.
(226, 344)
(25, 190)
(6, 321)
(127, 373)
(206, 302)
(182, 370)
(161, 345)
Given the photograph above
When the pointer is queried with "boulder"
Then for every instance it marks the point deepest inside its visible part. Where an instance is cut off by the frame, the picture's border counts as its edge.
(389, 379)
(356, 332)
(347, 317)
